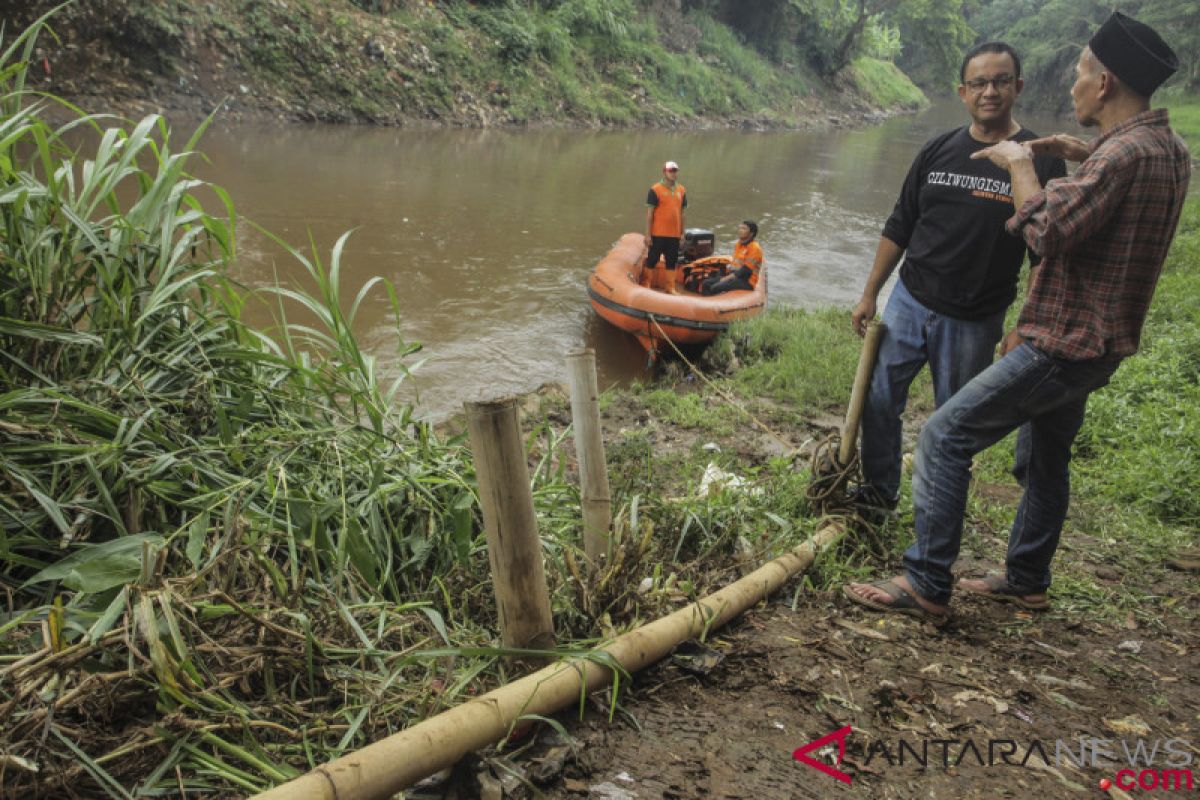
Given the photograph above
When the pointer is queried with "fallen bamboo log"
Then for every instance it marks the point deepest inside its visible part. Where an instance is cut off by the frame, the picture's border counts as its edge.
(390, 765)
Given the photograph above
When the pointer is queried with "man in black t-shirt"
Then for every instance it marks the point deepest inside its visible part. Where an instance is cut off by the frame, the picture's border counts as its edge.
(960, 267)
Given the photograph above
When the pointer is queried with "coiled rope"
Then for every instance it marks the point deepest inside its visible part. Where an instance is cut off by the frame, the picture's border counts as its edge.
(832, 488)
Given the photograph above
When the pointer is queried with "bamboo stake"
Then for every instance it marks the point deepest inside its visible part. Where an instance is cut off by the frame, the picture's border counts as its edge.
(514, 548)
(589, 448)
(858, 395)
(390, 765)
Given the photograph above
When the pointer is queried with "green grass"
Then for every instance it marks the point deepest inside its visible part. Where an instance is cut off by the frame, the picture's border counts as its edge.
(1136, 473)
(801, 357)
(884, 84)
(691, 410)
(1185, 118)
(1142, 438)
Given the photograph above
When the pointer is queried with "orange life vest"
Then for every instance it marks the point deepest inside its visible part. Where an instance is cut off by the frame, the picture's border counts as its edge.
(668, 214)
(748, 255)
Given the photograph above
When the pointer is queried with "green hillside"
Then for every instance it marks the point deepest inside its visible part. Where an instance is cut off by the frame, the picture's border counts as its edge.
(576, 62)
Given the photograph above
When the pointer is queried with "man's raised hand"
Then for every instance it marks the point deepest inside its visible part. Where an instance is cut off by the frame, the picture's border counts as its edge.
(1062, 145)
(1004, 154)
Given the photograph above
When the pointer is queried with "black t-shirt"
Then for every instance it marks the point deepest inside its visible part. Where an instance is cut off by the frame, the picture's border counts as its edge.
(950, 217)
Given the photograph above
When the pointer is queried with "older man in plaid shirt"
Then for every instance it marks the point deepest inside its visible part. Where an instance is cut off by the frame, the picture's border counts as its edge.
(1103, 234)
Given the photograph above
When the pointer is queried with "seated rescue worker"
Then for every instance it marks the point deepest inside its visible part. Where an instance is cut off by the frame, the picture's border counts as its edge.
(743, 270)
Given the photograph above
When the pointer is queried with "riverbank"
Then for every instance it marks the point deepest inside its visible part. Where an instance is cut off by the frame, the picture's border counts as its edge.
(229, 557)
(925, 709)
(426, 64)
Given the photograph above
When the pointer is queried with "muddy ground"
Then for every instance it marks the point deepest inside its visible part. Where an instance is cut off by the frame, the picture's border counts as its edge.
(791, 676)
(992, 703)
(993, 684)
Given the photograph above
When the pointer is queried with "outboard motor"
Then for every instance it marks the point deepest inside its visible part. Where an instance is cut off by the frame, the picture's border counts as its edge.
(697, 243)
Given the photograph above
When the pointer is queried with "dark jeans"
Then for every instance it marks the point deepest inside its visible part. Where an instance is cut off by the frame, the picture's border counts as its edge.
(719, 285)
(1027, 388)
(956, 350)
(666, 246)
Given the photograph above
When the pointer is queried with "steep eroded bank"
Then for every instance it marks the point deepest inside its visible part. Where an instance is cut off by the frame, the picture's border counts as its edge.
(421, 63)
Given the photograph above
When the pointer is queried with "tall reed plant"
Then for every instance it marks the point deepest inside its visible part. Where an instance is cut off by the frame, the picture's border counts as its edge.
(136, 397)
(225, 549)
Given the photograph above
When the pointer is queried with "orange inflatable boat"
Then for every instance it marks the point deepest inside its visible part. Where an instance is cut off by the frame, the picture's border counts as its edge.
(617, 295)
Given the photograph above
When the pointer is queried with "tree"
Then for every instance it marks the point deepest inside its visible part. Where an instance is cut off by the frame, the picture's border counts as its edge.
(829, 34)
(1179, 23)
(935, 34)
(993, 19)
(853, 35)
(1050, 33)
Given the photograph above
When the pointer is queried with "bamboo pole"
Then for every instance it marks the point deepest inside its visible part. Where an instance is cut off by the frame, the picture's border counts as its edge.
(383, 768)
(509, 521)
(858, 395)
(589, 449)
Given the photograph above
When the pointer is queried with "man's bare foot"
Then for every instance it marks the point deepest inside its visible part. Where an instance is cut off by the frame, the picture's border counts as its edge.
(996, 587)
(874, 594)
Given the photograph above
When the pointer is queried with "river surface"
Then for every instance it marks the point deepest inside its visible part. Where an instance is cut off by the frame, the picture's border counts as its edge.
(489, 236)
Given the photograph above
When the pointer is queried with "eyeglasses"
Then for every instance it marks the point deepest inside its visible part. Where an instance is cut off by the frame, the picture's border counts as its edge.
(673, 170)
(1001, 82)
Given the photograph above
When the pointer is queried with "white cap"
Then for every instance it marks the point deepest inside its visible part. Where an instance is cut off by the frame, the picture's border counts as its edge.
(670, 165)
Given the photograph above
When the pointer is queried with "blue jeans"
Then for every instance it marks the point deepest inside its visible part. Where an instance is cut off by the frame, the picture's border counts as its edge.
(956, 351)
(1045, 395)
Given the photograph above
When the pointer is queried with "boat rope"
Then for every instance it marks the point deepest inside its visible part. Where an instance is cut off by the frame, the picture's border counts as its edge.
(830, 477)
(829, 491)
(792, 452)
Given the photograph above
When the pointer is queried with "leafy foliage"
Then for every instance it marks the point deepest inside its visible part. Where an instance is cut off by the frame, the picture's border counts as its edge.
(1050, 33)
(475, 63)
(828, 35)
(934, 34)
(159, 457)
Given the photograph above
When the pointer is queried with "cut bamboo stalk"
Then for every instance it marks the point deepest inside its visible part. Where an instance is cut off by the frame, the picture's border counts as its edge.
(589, 449)
(509, 521)
(390, 765)
(858, 395)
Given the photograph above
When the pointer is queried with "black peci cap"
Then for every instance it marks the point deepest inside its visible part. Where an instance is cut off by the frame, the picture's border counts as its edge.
(1134, 52)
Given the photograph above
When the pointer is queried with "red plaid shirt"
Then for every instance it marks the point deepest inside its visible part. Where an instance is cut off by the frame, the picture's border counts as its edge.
(1103, 234)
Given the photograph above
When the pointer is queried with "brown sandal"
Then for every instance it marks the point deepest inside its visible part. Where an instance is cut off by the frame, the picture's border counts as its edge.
(902, 602)
(1000, 590)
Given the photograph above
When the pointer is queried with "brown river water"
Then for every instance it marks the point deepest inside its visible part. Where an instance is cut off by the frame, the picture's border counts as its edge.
(489, 235)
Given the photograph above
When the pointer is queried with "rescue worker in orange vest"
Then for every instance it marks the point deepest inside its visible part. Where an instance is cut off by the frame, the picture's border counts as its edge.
(743, 268)
(665, 203)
